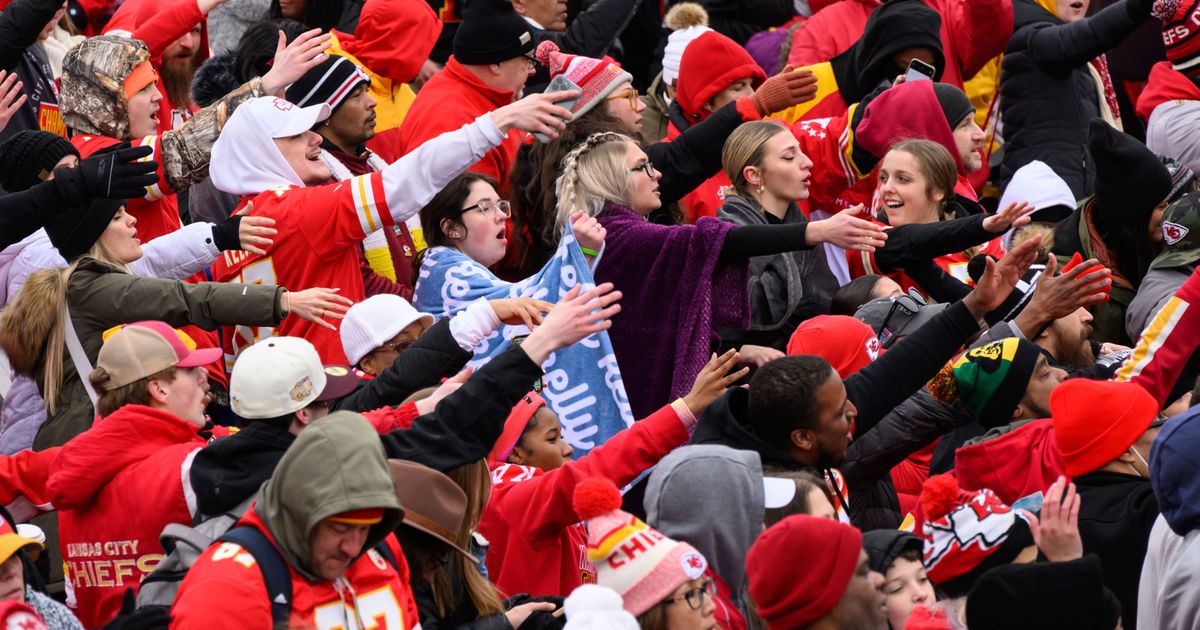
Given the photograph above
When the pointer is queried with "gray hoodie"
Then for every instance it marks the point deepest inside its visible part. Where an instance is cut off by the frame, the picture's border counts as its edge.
(712, 497)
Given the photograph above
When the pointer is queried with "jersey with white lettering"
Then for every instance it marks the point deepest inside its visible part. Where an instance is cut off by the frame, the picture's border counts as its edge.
(320, 230)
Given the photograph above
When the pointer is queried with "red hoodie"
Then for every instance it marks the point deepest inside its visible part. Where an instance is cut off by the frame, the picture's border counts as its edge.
(1165, 84)
(116, 486)
(159, 24)
(538, 545)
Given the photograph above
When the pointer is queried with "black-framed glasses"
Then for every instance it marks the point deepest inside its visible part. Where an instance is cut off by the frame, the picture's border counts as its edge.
(646, 168)
(531, 59)
(695, 597)
(910, 303)
(489, 208)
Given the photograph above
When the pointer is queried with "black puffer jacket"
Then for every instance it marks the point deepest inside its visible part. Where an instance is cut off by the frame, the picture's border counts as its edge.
(20, 24)
(1047, 93)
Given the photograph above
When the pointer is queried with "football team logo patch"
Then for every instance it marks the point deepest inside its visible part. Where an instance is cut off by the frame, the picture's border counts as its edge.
(1173, 232)
(693, 565)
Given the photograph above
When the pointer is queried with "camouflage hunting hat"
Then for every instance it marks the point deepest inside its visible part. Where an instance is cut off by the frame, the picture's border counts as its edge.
(93, 91)
(1181, 233)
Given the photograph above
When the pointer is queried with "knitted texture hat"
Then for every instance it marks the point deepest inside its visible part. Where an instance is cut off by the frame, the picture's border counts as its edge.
(1130, 179)
(687, 21)
(74, 233)
(1095, 421)
(1049, 595)
(515, 425)
(954, 103)
(799, 569)
(967, 533)
(595, 607)
(846, 343)
(990, 380)
(373, 321)
(491, 32)
(1180, 31)
(28, 156)
(330, 83)
(597, 78)
(710, 64)
(632, 558)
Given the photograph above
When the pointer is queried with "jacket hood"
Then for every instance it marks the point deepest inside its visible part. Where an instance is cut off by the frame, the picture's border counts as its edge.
(336, 465)
(909, 110)
(702, 480)
(1013, 464)
(726, 421)
(1173, 471)
(89, 461)
(1165, 84)
(245, 158)
(883, 546)
(891, 28)
(231, 469)
(383, 23)
(92, 96)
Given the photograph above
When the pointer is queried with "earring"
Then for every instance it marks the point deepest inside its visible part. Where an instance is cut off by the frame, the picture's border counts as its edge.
(760, 189)
(454, 235)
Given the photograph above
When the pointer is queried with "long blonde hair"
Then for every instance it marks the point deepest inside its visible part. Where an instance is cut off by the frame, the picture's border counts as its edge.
(476, 482)
(593, 174)
(746, 147)
(33, 331)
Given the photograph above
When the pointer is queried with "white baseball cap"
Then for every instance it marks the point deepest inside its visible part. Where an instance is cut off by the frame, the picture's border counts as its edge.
(281, 118)
(778, 492)
(373, 321)
(275, 377)
(245, 159)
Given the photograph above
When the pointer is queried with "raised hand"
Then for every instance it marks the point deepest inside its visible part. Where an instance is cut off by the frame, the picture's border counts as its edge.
(292, 60)
(577, 315)
(114, 174)
(588, 231)
(1013, 215)
(521, 310)
(846, 230)
(1056, 532)
(788, 88)
(536, 113)
(713, 380)
(999, 278)
(315, 305)
(11, 97)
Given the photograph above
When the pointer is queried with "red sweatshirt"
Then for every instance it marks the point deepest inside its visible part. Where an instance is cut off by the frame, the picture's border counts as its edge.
(116, 486)
(538, 545)
(1165, 84)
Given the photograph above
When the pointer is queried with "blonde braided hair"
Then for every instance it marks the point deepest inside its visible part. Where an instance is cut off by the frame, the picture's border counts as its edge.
(593, 174)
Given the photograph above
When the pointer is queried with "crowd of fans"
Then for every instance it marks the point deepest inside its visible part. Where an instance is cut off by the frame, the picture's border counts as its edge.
(496, 314)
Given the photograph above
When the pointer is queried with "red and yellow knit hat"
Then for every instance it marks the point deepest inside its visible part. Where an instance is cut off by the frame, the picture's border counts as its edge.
(632, 558)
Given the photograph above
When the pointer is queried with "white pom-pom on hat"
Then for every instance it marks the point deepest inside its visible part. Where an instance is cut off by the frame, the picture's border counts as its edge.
(594, 607)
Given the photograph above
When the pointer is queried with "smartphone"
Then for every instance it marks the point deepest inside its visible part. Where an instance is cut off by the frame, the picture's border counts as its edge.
(560, 83)
(539, 384)
(919, 71)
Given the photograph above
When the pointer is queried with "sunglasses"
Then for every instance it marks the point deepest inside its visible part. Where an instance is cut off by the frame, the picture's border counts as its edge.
(910, 303)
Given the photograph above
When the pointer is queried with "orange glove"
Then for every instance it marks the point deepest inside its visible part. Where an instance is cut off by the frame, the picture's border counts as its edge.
(784, 90)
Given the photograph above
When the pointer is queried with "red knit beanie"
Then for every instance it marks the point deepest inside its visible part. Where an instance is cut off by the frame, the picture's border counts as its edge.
(846, 343)
(711, 63)
(515, 425)
(1096, 421)
(799, 568)
(1180, 31)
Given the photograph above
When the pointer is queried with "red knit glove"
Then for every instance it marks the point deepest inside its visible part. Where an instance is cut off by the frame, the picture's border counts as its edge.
(784, 90)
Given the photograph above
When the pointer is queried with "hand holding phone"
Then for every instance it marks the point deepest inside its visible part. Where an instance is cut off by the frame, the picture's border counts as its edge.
(919, 71)
(560, 83)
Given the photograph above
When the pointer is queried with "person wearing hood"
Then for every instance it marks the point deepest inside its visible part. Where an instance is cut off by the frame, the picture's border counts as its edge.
(1047, 197)
(342, 85)
(528, 520)
(1169, 591)
(24, 24)
(176, 34)
(696, 480)
(1056, 56)
(110, 492)
(268, 155)
(325, 525)
(1069, 594)
(895, 34)
(897, 556)
(1116, 224)
(1171, 100)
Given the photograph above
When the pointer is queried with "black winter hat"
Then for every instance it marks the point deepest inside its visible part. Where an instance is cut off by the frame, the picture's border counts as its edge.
(1130, 179)
(1048, 595)
(27, 154)
(954, 102)
(330, 83)
(883, 546)
(74, 233)
(491, 32)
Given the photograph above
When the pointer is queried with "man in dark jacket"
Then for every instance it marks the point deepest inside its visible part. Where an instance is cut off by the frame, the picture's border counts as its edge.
(23, 25)
(1047, 87)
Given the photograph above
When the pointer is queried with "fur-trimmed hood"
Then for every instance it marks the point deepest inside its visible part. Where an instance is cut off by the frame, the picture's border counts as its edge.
(214, 78)
(29, 319)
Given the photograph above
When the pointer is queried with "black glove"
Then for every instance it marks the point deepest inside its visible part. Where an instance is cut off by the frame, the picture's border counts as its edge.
(225, 233)
(540, 620)
(114, 174)
(133, 618)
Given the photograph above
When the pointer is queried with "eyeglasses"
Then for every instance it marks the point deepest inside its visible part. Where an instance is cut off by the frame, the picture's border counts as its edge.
(630, 95)
(910, 303)
(645, 167)
(488, 208)
(397, 347)
(695, 597)
(531, 60)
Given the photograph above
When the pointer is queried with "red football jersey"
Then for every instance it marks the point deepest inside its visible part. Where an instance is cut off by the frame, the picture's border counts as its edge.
(320, 230)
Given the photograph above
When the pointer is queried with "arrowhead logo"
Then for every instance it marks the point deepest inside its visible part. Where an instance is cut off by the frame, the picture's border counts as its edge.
(1173, 232)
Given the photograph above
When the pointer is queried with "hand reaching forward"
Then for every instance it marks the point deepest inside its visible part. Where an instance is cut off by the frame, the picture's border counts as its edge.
(315, 305)
(713, 380)
(577, 315)
(846, 230)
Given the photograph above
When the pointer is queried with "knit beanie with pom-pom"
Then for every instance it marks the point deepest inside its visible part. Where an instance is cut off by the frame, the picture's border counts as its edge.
(687, 21)
(596, 78)
(595, 607)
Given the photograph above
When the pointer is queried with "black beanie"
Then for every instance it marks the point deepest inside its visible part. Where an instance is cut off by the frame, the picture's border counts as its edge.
(954, 102)
(1045, 596)
(75, 231)
(491, 32)
(330, 83)
(1130, 179)
(27, 154)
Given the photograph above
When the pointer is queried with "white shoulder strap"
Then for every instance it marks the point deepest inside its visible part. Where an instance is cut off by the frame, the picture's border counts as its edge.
(78, 356)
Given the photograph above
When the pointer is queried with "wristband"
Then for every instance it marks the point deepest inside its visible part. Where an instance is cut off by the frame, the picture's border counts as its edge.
(590, 252)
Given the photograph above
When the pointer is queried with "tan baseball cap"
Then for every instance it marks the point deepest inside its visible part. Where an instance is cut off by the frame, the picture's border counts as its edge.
(135, 351)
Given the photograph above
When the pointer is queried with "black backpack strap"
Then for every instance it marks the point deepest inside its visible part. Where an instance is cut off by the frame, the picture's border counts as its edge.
(276, 575)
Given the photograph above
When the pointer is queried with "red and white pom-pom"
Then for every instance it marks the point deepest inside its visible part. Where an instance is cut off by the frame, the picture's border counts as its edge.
(1167, 10)
(542, 54)
(939, 496)
(596, 496)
